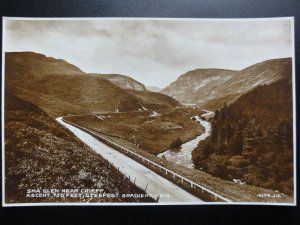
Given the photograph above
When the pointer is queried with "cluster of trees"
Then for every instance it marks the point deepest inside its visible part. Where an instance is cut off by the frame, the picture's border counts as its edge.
(252, 139)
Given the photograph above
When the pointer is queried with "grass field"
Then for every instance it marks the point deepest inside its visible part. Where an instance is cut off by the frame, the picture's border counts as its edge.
(150, 130)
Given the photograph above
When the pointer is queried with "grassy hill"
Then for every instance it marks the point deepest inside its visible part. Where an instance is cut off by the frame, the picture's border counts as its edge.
(32, 64)
(60, 88)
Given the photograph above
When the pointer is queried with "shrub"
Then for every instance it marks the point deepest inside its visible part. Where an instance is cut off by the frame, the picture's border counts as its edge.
(176, 143)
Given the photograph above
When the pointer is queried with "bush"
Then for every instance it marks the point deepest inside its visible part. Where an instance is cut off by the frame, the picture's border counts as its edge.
(176, 143)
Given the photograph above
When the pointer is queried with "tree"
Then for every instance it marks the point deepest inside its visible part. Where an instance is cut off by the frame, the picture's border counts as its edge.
(217, 114)
(238, 143)
(215, 132)
(221, 171)
(207, 149)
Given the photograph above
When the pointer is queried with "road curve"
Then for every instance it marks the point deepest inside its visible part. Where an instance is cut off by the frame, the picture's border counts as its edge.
(144, 177)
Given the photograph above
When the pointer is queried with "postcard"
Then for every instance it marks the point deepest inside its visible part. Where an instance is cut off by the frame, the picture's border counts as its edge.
(148, 111)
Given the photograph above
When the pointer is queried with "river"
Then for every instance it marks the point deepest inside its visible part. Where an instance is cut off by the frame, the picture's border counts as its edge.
(184, 155)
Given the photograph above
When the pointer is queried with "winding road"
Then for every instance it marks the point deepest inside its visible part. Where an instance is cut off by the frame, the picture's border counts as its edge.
(184, 155)
(142, 176)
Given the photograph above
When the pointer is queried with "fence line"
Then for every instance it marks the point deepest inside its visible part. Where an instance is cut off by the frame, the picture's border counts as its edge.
(175, 175)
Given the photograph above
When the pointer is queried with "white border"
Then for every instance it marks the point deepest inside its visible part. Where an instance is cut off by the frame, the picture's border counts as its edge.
(2, 114)
(294, 108)
(291, 19)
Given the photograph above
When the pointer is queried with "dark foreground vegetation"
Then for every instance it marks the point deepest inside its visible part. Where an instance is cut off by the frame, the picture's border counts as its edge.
(252, 139)
(41, 154)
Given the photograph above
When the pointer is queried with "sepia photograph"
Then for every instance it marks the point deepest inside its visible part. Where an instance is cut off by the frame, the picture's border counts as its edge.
(148, 111)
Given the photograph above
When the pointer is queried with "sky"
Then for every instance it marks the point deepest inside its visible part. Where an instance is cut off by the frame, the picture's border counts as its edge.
(153, 51)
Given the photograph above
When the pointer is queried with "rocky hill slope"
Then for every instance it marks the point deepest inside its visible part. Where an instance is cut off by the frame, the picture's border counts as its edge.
(211, 88)
(124, 82)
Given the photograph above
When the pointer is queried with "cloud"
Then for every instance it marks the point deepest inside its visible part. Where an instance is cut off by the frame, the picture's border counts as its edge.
(155, 52)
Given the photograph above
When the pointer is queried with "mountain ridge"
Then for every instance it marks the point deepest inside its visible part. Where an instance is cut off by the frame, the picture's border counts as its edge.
(211, 88)
(61, 88)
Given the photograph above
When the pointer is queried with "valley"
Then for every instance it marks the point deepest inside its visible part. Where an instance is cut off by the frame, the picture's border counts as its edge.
(170, 127)
(226, 189)
(152, 131)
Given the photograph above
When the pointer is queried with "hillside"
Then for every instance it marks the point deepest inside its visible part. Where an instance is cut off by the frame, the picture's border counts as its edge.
(156, 100)
(39, 153)
(153, 89)
(60, 88)
(124, 82)
(32, 64)
(252, 139)
(211, 88)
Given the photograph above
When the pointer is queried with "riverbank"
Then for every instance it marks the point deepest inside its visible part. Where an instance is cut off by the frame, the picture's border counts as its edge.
(184, 155)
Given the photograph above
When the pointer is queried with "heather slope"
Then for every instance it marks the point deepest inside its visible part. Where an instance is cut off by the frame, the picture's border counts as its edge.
(40, 153)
